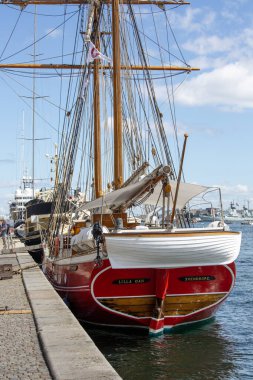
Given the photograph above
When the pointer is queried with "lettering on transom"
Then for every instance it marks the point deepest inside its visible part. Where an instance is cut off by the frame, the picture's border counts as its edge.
(196, 278)
(130, 281)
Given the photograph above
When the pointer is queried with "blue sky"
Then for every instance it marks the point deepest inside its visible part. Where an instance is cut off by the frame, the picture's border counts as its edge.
(214, 106)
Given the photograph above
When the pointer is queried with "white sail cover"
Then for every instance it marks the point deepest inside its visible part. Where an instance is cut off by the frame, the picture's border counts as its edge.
(120, 197)
(187, 191)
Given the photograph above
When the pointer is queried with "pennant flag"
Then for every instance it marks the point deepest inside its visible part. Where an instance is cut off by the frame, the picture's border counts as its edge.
(94, 53)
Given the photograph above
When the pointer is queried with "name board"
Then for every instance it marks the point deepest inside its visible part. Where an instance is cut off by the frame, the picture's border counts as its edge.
(130, 281)
(196, 278)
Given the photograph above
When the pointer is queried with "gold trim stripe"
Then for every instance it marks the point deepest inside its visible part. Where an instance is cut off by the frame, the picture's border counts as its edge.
(173, 305)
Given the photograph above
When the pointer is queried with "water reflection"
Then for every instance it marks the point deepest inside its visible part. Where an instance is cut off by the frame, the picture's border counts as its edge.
(200, 353)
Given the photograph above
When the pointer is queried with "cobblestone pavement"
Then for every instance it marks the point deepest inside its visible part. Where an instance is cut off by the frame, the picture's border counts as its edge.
(20, 353)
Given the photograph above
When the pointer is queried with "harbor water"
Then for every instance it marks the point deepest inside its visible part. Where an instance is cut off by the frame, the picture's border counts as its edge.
(221, 349)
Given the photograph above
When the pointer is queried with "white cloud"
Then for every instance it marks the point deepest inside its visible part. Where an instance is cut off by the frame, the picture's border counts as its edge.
(54, 33)
(231, 16)
(209, 45)
(215, 49)
(235, 189)
(239, 193)
(230, 86)
(207, 63)
(246, 38)
(194, 19)
(225, 79)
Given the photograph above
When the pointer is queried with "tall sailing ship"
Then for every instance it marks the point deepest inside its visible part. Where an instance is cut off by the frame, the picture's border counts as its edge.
(125, 254)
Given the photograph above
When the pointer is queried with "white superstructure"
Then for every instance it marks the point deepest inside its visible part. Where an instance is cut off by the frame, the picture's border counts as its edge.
(22, 195)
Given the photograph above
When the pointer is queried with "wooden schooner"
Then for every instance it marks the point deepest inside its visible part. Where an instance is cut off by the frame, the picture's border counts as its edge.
(125, 255)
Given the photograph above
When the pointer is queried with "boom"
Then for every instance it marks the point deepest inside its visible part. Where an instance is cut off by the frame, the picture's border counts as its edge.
(106, 67)
(24, 3)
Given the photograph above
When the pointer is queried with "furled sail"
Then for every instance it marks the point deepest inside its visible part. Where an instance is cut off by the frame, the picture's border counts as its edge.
(124, 196)
(121, 197)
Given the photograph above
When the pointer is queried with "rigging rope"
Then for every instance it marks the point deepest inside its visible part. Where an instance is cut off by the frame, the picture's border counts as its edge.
(162, 140)
(62, 55)
(11, 34)
(39, 39)
(68, 148)
(39, 14)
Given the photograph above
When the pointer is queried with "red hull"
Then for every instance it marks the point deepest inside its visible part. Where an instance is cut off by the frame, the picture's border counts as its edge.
(128, 297)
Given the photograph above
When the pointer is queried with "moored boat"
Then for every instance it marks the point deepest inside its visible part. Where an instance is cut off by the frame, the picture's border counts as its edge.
(156, 279)
(36, 223)
(22, 195)
(157, 299)
(247, 222)
(108, 267)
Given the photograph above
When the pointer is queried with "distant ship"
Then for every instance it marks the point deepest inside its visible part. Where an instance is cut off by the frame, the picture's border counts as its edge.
(232, 215)
(22, 195)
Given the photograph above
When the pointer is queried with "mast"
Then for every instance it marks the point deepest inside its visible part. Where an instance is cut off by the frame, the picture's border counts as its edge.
(118, 141)
(33, 98)
(23, 146)
(97, 129)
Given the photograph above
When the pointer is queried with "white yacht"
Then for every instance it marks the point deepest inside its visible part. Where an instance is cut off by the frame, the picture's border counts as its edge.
(22, 195)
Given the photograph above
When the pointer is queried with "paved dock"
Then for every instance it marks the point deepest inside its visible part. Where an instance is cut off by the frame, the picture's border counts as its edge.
(39, 336)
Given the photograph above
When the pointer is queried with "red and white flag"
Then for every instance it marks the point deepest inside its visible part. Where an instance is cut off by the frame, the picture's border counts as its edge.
(94, 53)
